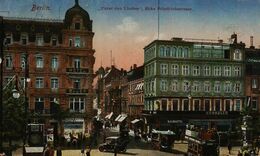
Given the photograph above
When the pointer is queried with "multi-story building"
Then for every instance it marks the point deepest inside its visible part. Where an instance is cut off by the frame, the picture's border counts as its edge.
(61, 58)
(135, 79)
(195, 81)
(252, 77)
(111, 90)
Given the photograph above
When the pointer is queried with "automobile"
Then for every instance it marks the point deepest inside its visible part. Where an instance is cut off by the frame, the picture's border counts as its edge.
(113, 143)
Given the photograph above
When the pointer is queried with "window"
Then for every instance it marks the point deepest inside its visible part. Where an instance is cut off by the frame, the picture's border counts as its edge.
(168, 49)
(254, 84)
(164, 69)
(163, 85)
(175, 86)
(185, 70)
(186, 104)
(164, 105)
(77, 42)
(8, 61)
(39, 61)
(196, 86)
(186, 52)
(207, 105)
(39, 104)
(217, 71)
(237, 71)
(227, 87)
(76, 84)
(24, 38)
(70, 42)
(175, 69)
(217, 87)
(77, 26)
(54, 62)
(227, 71)
(8, 39)
(152, 86)
(237, 104)
(54, 41)
(186, 86)
(77, 104)
(23, 61)
(54, 105)
(196, 70)
(76, 63)
(237, 87)
(174, 52)
(196, 105)
(39, 82)
(39, 40)
(162, 51)
(254, 103)
(217, 105)
(228, 103)
(237, 54)
(180, 54)
(206, 70)
(54, 83)
(207, 87)
(175, 105)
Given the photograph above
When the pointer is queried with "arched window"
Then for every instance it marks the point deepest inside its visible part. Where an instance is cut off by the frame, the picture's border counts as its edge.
(174, 52)
(161, 51)
(186, 52)
(180, 52)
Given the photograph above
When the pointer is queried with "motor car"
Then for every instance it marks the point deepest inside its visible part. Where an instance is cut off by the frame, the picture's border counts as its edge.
(114, 143)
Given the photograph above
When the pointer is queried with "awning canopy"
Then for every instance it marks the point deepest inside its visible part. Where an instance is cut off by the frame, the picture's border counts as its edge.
(118, 117)
(163, 132)
(109, 115)
(122, 118)
(135, 121)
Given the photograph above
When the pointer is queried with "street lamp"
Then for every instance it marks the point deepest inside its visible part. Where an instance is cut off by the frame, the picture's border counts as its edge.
(16, 94)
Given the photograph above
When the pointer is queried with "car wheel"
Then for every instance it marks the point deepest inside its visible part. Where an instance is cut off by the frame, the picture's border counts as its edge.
(101, 149)
(124, 150)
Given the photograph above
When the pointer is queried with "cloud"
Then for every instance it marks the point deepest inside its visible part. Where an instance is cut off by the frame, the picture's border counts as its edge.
(128, 25)
(139, 39)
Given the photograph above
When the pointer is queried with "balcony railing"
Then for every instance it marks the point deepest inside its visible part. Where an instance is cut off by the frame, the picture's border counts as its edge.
(77, 91)
(41, 112)
(77, 70)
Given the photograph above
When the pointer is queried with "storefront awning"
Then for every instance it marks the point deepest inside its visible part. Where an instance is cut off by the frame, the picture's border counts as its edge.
(109, 115)
(135, 121)
(118, 117)
(163, 132)
(122, 118)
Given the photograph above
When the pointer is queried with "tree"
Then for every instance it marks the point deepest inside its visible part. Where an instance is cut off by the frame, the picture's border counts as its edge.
(13, 116)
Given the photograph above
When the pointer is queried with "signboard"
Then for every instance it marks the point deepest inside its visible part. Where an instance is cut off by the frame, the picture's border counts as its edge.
(50, 137)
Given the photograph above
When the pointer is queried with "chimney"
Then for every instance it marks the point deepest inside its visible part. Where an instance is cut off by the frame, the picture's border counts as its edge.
(252, 42)
(135, 66)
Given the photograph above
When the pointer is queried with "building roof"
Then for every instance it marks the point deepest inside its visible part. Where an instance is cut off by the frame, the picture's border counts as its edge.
(135, 73)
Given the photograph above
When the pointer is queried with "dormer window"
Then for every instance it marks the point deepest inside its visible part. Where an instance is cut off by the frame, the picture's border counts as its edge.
(77, 26)
(39, 40)
(54, 41)
(8, 39)
(237, 55)
(24, 38)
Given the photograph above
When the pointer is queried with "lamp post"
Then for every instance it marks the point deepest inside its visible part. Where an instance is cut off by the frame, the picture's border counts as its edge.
(1, 81)
(26, 80)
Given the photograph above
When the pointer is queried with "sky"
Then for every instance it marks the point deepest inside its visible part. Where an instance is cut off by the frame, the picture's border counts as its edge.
(124, 27)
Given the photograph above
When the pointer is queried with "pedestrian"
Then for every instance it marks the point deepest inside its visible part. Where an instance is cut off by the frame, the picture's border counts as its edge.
(46, 151)
(239, 153)
(82, 150)
(59, 152)
(51, 151)
(229, 147)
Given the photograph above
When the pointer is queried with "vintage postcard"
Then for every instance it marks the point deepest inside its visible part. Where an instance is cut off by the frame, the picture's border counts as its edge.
(129, 77)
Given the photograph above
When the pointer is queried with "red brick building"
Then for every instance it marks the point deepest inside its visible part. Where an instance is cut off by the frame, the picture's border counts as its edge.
(61, 58)
(135, 92)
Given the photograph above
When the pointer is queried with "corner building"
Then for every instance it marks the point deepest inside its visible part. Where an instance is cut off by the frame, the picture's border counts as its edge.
(193, 81)
(61, 58)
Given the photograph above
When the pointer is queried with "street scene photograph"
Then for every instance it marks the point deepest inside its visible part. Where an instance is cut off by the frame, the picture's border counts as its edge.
(129, 77)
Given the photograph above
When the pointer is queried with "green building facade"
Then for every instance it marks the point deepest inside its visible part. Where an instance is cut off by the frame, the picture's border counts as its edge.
(194, 76)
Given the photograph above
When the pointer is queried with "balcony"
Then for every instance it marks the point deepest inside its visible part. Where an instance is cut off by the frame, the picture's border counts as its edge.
(41, 112)
(74, 91)
(78, 71)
